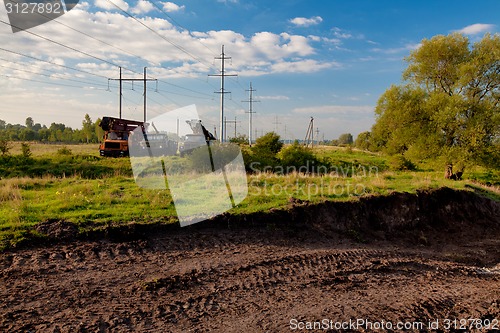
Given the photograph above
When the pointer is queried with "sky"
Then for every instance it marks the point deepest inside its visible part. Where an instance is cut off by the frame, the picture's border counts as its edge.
(330, 60)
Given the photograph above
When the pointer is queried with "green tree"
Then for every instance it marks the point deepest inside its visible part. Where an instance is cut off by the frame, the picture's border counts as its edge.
(299, 158)
(241, 139)
(88, 128)
(25, 150)
(29, 123)
(264, 152)
(345, 139)
(4, 147)
(99, 132)
(449, 105)
(363, 140)
(269, 144)
(27, 134)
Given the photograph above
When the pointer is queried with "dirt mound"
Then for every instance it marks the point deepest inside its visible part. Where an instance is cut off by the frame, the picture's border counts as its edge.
(427, 217)
(430, 214)
(58, 230)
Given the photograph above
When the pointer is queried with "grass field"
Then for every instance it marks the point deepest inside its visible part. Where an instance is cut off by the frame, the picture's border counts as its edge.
(94, 192)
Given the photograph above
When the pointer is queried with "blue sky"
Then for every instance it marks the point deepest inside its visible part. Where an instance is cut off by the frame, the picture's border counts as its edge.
(327, 59)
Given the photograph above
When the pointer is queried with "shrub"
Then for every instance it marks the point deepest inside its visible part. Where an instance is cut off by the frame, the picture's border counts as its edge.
(221, 155)
(25, 150)
(262, 156)
(401, 163)
(64, 151)
(268, 144)
(299, 158)
(5, 147)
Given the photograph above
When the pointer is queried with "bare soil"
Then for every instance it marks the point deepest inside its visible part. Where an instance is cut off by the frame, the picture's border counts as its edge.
(403, 258)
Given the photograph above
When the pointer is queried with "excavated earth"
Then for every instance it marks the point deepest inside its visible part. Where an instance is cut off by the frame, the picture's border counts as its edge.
(407, 258)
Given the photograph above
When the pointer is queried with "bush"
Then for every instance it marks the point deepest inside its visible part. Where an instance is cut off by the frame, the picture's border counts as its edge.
(221, 154)
(401, 163)
(301, 159)
(268, 144)
(240, 140)
(64, 151)
(5, 147)
(25, 150)
(262, 156)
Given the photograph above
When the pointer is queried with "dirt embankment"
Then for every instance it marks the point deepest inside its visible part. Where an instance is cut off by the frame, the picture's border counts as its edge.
(410, 258)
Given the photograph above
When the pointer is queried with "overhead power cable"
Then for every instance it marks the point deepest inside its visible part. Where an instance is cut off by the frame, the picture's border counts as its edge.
(53, 63)
(180, 48)
(81, 32)
(180, 26)
(52, 77)
(67, 47)
(49, 82)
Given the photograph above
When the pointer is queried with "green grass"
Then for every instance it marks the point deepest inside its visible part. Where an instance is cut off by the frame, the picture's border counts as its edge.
(97, 192)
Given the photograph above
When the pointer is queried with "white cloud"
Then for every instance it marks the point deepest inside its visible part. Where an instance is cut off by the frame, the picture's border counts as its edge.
(339, 33)
(338, 110)
(273, 98)
(477, 28)
(183, 53)
(306, 22)
(142, 7)
(170, 7)
(395, 50)
(104, 4)
(276, 47)
(301, 66)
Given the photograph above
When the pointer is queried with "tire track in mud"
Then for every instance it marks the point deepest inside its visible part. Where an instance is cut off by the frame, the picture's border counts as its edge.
(202, 282)
(212, 289)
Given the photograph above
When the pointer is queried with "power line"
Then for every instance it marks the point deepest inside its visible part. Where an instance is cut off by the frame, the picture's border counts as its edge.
(83, 33)
(222, 91)
(48, 82)
(250, 112)
(179, 25)
(107, 61)
(103, 60)
(50, 76)
(208, 97)
(180, 48)
(235, 122)
(52, 63)
(144, 80)
(65, 46)
(276, 123)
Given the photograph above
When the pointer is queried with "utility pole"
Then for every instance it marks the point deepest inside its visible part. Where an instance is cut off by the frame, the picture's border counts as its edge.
(276, 123)
(231, 122)
(317, 136)
(309, 139)
(144, 79)
(250, 112)
(222, 91)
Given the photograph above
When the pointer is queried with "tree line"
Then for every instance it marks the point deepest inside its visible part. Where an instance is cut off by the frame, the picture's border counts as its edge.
(446, 109)
(90, 132)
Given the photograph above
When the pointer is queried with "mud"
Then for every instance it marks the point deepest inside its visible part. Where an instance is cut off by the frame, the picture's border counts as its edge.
(402, 258)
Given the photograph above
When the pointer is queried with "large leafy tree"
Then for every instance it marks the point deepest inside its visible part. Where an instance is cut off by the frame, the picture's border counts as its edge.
(448, 107)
